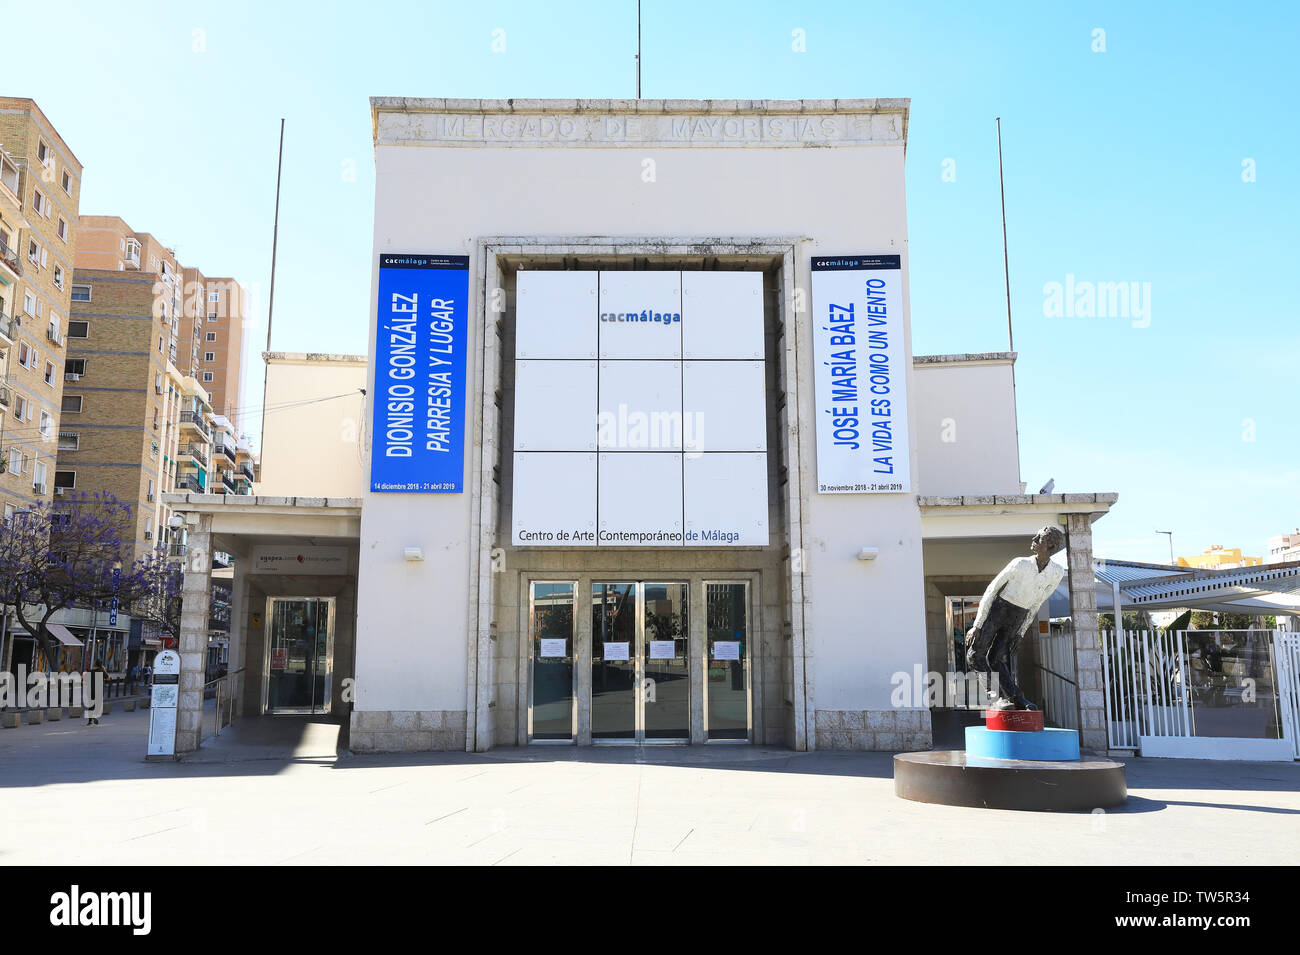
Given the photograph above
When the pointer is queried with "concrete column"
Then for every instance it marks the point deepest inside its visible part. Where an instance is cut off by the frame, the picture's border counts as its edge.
(238, 621)
(1087, 641)
(196, 600)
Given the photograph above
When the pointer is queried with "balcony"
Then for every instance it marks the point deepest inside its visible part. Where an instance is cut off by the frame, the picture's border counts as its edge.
(226, 449)
(10, 260)
(247, 471)
(194, 419)
(190, 483)
(228, 480)
(4, 397)
(197, 452)
(9, 328)
(176, 550)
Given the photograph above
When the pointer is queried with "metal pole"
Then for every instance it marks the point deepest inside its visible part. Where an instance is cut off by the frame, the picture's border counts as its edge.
(1006, 271)
(638, 49)
(270, 305)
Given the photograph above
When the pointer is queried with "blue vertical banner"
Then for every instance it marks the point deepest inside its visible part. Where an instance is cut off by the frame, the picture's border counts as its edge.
(421, 339)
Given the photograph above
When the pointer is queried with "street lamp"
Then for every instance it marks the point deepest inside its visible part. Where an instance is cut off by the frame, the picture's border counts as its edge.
(1170, 535)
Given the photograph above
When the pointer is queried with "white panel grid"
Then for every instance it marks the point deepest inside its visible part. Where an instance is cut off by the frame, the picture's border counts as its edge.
(724, 499)
(640, 315)
(640, 494)
(640, 406)
(722, 315)
(554, 499)
(724, 406)
(555, 405)
(556, 314)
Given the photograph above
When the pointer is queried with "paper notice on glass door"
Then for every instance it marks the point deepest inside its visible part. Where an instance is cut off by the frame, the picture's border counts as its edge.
(663, 649)
(726, 649)
(617, 651)
(554, 647)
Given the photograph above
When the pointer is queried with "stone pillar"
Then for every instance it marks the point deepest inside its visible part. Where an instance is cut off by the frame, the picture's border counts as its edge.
(196, 600)
(1087, 641)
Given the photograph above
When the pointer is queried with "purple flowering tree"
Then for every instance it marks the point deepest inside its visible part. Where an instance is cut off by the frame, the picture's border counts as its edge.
(159, 602)
(68, 553)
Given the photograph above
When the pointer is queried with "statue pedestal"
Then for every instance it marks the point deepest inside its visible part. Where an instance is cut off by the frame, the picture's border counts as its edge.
(1012, 762)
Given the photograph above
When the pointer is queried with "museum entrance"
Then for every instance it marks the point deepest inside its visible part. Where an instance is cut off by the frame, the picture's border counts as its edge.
(639, 661)
(299, 662)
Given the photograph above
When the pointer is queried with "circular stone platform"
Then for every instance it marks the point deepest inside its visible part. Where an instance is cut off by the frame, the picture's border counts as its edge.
(949, 778)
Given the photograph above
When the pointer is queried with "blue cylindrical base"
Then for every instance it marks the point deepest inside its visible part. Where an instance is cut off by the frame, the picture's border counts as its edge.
(1046, 744)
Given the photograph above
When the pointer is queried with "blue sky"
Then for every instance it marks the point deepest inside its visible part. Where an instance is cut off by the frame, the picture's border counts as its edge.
(1122, 166)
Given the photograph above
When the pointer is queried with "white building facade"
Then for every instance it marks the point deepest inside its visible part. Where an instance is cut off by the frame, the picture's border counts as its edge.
(648, 455)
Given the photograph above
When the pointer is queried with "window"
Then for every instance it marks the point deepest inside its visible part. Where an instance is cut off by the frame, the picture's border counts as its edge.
(148, 528)
(46, 424)
(43, 152)
(9, 514)
(49, 373)
(68, 441)
(157, 383)
(209, 356)
(58, 276)
(78, 329)
(65, 479)
(38, 477)
(160, 344)
(155, 419)
(207, 376)
(67, 182)
(214, 296)
(33, 252)
(38, 203)
(20, 408)
(63, 228)
(15, 461)
(81, 293)
(212, 316)
(29, 303)
(71, 404)
(212, 336)
(75, 366)
(149, 497)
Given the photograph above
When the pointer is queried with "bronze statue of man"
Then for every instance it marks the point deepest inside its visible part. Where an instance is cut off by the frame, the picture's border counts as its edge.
(1008, 607)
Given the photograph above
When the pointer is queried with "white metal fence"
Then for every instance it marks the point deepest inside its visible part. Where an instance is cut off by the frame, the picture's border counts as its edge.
(1208, 685)
(1288, 678)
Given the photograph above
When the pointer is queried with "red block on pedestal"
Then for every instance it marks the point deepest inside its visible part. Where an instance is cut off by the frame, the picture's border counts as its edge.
(1020, 721)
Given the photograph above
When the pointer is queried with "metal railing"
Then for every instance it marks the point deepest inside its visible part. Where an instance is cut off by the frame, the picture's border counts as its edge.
(195, 418)
(197, 453)
(226, 449)
(11, 258)
(247, 471)
(8, 325)
(190, 483)
(225, 690)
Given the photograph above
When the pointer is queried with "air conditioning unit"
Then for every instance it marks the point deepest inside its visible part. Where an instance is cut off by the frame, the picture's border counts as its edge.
(58, 492)
(148, 535)
(38, 488)
(71, 376)
(54, 336)
(149, 497)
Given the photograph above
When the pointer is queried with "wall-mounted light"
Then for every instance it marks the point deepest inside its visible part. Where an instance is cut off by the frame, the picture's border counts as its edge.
(413, 553)
(868, 553)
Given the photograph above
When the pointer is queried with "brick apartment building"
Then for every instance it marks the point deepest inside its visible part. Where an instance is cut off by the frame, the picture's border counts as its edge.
(40, 188)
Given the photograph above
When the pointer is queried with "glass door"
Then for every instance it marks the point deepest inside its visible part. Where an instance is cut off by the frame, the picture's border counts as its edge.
(665, 664)
(640, 663)
(727, 713)
(551, 713)
(299, 655)
(614, 677)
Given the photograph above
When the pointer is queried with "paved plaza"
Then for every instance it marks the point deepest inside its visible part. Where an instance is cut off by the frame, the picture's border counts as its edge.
(269, 792)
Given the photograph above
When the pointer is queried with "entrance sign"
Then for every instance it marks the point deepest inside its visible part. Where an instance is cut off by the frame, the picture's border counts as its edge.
(421, 340)
(164, 696)
(860, 362)
(554, 647)
(674, 403)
